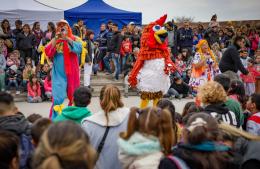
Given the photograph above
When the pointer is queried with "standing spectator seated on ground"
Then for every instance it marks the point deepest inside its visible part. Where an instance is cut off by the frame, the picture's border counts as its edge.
(179, 89)
(97, 58)
(213, 97)
(26, 43)
(102, 41)
(254, 41)
(12, 79)
(104, 127)
(20, 60)
(3, 49)
(12, 60)
(217, 52)
(186, 76)
(6, 34)
(238, 93)
(125, 51)
(185, 37)
(81, 99)
(34, 90)
(42, 74)
(257, 61)
(172, 37)
(64, 145)
(231, 60)
(9, 150)
(38, 33)
(243, 53)
(231, 104)
(149, 136)
(13, 121)
(38, 128)
(253, 122)
(2, 71)
(48, 86)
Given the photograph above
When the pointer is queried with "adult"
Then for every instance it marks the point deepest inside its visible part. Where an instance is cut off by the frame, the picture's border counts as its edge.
(18, 28)
(102, 40)
(114, 50)
(172, 37)
(77, 29)
(63, 50)
(38, 33)
(185, 37)
(211, 34)
(213, 97)
(6, 34)
(104, 127)
(204, 65)
(26, 43)
(89, 58)
(64, 145)
(230, 60)
(49, 33)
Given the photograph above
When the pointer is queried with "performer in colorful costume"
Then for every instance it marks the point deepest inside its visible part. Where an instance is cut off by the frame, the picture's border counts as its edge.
(204, 66)
(63, 50)
(150, 73)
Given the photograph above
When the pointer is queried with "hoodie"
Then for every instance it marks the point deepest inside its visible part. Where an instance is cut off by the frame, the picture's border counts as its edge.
(73, 113)
(221, 113)
(140, 152)
(16, 124)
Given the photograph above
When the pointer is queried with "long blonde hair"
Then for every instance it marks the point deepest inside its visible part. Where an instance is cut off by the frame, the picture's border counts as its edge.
(199, 47)
(233, 131)
(64, 144)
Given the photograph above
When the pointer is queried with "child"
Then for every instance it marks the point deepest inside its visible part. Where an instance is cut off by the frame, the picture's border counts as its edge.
(217, 51)
(125, 50)
(257, 60)
(179, 89)
(82, 98)
(3, 49)
(38, 128)
(253, 123)
(96, 58)
(34, 90)
(186, 76)
(12, 79)
(48, 86)
(237, 92)
(27, 72)
(148, 138)
(17, 57)
(250, 79)
(181, 66)
(42, 74)
(244, 56)
(2, 71)
(12, 60)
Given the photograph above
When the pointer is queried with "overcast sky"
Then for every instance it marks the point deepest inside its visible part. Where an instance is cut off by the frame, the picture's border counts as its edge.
(201, 10)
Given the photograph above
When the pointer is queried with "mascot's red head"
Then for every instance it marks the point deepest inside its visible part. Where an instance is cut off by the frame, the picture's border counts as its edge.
(153, 40)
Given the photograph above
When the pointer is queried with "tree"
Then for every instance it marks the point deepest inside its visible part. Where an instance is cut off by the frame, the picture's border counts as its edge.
(181, 19)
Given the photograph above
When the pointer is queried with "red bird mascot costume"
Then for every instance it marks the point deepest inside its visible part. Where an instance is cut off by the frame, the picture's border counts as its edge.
(150, 73)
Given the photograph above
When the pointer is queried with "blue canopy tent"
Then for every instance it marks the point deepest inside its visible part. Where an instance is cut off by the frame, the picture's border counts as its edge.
(96, 12)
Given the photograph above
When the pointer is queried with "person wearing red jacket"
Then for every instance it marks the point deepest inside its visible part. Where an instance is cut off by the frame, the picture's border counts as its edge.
(34, 90)
(250, 79)
(125, 50)
(254, 40)
(48, 86)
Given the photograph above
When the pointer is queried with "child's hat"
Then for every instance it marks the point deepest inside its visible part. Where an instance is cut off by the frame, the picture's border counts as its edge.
(14, 68)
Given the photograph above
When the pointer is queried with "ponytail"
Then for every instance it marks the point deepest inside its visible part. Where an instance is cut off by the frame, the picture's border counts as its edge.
(52, 162)
(132, 125)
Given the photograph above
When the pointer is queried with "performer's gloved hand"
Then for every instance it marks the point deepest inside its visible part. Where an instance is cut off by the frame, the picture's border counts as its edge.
(132, 81)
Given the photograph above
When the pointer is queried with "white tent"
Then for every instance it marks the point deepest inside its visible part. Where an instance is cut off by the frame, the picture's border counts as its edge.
(29, 11)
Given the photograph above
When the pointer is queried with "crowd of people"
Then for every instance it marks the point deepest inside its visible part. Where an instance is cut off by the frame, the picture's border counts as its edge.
(217, 134)
(219, 130)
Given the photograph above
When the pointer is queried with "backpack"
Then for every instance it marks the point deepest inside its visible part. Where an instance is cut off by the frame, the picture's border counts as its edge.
(178, 162)
(25, 151)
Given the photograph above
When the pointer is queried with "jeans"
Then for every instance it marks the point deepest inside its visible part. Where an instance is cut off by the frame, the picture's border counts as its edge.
(95, 68)
(124, 59)
(12, 83)
(116, 61)
(36, 99)
(172, 92)
(2, 82)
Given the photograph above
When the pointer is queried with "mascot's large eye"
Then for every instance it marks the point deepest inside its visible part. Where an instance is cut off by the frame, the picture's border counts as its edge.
(156, 28)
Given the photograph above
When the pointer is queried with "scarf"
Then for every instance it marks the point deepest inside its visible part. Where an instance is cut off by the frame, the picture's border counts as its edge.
(66, 53)
(207, 146)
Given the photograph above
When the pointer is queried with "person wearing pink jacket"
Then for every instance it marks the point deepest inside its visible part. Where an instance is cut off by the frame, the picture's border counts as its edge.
(48, 86)
(34, 90)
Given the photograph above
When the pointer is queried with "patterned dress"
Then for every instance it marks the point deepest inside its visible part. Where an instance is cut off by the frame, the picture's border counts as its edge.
(201, 76)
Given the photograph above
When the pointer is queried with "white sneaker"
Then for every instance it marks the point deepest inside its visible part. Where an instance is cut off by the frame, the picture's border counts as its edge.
(18, 92)
(8, 91)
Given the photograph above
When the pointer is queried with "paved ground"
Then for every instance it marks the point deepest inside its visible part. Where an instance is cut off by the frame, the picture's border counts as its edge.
(43, 108)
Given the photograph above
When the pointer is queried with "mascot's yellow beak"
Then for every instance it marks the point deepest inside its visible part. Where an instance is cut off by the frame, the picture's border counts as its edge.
(160, 36)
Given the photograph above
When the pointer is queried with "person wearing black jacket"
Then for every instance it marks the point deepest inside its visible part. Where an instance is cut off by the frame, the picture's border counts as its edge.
(102, 41)
(114, 50)
(26, 42)
(179, 89)
(230, 60)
